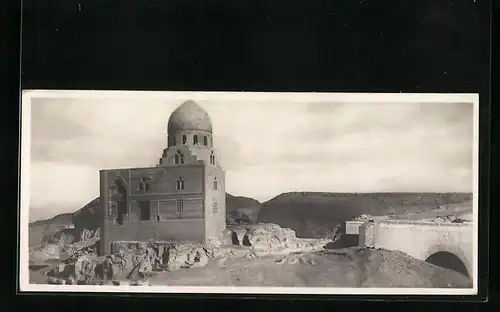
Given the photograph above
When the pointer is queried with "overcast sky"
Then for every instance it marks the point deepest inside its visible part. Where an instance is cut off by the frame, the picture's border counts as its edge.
(266, 147)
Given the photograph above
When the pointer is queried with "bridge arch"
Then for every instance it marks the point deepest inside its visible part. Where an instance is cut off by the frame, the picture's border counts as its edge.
(450, 257)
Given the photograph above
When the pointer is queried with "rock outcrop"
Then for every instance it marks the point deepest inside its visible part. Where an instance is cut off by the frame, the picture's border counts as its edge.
(267, 239)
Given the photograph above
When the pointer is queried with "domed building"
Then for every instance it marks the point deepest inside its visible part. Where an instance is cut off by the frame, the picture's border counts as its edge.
(183, 198)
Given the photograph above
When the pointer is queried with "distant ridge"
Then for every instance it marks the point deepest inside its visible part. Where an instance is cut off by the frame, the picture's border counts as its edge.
(311, 214)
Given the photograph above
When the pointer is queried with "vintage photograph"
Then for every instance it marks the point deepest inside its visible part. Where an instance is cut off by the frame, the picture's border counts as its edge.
(242, 192)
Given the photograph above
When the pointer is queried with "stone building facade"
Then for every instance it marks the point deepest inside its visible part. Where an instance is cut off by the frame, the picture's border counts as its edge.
(183, 198)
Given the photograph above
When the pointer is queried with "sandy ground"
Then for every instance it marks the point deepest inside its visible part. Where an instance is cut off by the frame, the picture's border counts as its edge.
(340, 268)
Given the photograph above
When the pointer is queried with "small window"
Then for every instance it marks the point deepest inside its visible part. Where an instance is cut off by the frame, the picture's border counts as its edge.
(157, 218)
(184, 139)
(212, 158)
(215, 184)
(145, 208)
(180, 206)
(176, 159)
(180, 184)
(215, 206)
(211, 142)
(195, 140)
(205, 141)
(145, 184)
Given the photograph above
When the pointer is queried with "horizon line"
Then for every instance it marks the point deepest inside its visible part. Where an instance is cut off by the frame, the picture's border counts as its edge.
(285, 193)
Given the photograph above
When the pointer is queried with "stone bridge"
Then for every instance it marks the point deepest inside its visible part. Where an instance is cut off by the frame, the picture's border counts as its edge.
(448, 245)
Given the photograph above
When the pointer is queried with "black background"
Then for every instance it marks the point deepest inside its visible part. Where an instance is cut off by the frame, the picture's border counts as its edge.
(337, 45)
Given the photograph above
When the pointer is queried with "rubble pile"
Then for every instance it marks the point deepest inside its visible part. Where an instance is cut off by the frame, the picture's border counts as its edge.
(133, 261)
(138, 260)
(265, 239)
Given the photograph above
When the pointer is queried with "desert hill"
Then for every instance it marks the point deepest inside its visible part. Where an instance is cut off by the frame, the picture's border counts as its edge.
(241, 209)
(350, 267)
(315, 214)
(39, 229)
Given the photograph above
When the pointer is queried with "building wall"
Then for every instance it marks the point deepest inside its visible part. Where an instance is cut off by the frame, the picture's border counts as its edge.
(192, 153)
(190, 138)
(165, 221)
(215, 220)
(178, 230)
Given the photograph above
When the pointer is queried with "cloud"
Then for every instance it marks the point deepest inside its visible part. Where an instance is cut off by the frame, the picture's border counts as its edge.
(58, 187)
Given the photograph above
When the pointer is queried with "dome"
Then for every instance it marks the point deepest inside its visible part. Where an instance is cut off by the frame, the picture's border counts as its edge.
(189, 116)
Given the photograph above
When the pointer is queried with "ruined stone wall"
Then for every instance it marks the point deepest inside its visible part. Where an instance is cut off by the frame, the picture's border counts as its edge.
(367, 234)
(178, 230)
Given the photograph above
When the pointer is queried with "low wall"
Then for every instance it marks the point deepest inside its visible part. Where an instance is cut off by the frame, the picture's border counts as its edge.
(352, 227)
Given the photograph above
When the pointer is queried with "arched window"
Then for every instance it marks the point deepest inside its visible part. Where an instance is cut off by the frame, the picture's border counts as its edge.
(211, 142)
(195, 140)
(184, 139)
(145, 184)
(215, 184)
(180, 184)
(205, 141)
(179, 158)
(212, 158)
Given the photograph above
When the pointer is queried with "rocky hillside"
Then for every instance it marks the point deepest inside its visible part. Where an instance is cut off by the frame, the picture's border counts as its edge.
(313, 214)
(241, 210)
(69, 226)
(39, 230)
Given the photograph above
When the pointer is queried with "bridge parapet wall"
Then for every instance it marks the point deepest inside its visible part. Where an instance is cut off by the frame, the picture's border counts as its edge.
(420, 239)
